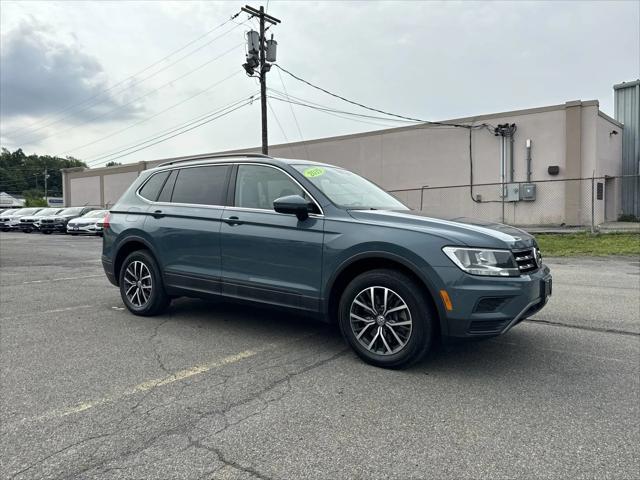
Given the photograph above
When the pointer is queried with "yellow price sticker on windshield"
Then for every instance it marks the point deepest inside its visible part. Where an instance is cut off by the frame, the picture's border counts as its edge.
(313, 172)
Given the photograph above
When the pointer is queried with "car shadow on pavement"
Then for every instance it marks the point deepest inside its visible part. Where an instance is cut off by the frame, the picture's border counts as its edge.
(518, 350)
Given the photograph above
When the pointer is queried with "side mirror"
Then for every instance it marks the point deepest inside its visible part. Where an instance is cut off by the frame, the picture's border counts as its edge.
(294, 204)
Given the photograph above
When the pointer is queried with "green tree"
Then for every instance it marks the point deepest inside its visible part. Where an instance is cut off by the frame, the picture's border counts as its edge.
(20, 172)
(112, 164)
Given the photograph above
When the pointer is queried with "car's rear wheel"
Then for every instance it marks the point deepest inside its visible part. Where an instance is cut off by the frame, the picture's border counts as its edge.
(386, 319)
(141, 286)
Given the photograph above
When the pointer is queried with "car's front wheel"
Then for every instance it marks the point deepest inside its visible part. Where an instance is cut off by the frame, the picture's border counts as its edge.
(141, 285)
(386, 319)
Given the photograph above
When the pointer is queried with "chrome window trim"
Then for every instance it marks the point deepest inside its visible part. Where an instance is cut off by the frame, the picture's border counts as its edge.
(200, 205)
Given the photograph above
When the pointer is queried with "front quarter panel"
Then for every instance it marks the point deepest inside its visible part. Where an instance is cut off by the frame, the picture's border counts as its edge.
(347, 241)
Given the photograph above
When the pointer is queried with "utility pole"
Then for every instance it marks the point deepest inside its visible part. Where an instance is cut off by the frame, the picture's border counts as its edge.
(259, 52)
(45, 183)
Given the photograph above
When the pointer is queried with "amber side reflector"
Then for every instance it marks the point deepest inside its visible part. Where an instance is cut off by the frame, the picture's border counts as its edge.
(446, 300)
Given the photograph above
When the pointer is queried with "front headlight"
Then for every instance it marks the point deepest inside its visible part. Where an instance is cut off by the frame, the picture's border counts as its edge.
(481, 261)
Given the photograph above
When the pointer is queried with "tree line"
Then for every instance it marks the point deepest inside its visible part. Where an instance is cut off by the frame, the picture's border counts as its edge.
(22, 174)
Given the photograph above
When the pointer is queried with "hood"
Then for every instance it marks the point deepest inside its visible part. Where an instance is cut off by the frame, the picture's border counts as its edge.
(466, 231)
(84, 221)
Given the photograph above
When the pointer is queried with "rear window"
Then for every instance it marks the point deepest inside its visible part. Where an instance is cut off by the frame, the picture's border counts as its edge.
(201, 185)
(151, 188)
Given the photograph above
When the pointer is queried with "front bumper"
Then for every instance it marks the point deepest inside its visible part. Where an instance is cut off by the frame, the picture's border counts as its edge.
(53, 227)
(27, 226)
(86, 228)
(489, 306)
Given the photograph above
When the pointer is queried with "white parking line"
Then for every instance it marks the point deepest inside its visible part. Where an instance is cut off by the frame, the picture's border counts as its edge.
(149, 385)
(61, 279)
(46, 312)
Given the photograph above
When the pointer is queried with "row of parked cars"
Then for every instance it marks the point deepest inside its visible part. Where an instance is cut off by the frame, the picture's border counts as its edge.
(71, 220)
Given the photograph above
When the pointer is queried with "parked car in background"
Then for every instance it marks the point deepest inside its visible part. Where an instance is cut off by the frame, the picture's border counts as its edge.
(323, 240)
(11, 220)
(58, 222)
(87, 223)
(29, 223)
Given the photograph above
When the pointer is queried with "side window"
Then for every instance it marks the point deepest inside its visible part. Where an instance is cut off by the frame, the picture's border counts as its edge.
(201, 185)
(151, 189)
(258, 187)
(167, 190)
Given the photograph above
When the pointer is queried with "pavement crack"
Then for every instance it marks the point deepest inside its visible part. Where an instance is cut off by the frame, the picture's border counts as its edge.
(583, 327)
(195, 443)
(58, 452)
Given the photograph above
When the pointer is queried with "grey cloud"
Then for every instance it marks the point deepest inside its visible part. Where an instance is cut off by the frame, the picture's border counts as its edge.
(41, 76)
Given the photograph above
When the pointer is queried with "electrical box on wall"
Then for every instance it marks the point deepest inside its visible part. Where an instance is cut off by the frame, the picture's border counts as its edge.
(528, 192)
(512, 192)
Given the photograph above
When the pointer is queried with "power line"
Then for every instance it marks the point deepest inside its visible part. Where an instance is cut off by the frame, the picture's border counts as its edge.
(156, 114)
(188, 130)
(170, 82)
(281, 129)
(96, 159)
(137, 82)
(345, 117)
(294, 116)
(333, 110)
(369, 108)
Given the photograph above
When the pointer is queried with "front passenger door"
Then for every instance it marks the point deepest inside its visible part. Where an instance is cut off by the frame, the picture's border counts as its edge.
(267, 256)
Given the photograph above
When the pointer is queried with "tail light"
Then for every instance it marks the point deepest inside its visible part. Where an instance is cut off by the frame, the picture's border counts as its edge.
(105, 221)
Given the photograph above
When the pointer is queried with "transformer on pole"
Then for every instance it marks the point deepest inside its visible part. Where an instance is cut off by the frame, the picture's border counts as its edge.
(259, 52)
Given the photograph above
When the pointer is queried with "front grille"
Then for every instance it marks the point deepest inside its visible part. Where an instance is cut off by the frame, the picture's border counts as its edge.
(487, 326)
(46, 221)
(526, 260)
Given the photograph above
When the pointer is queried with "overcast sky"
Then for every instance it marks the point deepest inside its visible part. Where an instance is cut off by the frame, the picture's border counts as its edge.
(430, 60)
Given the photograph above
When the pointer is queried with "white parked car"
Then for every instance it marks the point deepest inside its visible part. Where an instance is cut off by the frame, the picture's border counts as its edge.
(11, 221)
(89, 223)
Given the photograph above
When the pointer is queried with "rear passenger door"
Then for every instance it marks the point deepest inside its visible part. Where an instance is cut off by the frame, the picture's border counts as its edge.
(268, 256)
(184, 222)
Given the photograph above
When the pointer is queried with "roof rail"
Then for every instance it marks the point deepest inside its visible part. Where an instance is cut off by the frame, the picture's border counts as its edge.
(219, 155)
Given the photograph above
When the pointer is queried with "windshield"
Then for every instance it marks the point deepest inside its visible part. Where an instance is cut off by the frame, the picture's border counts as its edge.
(71, 211)
(96, 213)
(47, 211)
(348, 190)
(26, 211)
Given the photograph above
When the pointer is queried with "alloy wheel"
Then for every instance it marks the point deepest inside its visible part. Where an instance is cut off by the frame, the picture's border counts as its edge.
(138, 283)
(380, 320)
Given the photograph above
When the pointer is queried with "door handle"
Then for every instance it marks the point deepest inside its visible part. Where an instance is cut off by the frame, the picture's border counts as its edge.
(232, 220)
(158, 214)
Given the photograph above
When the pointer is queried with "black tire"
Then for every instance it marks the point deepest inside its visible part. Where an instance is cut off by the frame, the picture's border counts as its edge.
(46, 232)
(74, 234)
(417, 310)
(158, 300)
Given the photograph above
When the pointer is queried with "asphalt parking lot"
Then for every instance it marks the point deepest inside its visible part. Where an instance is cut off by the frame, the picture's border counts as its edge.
(220, 391)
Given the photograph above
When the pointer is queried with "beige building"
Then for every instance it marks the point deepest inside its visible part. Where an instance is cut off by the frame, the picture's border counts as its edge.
(571, 141)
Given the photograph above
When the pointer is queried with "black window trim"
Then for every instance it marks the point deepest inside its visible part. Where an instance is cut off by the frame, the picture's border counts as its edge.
(230, 196)
(232, 205)
(170, 203)
(225, 187)
(149, 179)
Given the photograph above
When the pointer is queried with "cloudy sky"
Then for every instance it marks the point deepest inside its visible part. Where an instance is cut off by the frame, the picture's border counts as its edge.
(98, 80)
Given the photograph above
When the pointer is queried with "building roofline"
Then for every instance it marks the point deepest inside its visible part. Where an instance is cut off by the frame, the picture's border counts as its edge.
(145, 164)
(460, 120)
(632, 83)
(610, 120)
